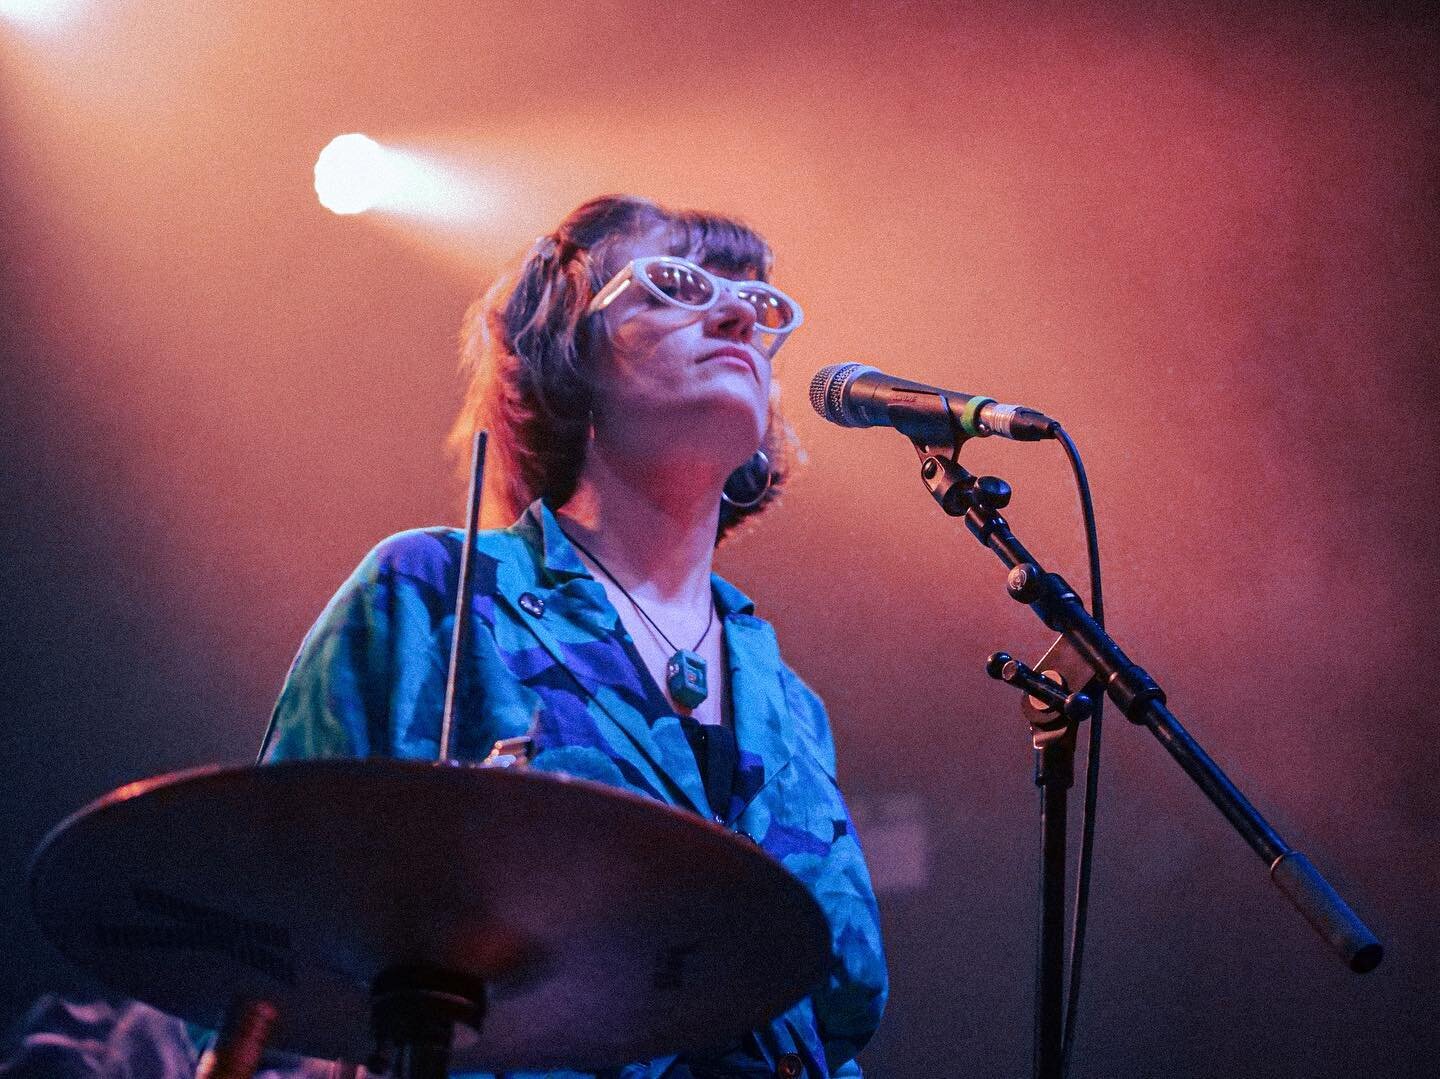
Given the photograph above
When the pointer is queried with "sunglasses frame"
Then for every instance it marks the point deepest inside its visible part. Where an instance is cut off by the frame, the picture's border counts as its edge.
(635, 272)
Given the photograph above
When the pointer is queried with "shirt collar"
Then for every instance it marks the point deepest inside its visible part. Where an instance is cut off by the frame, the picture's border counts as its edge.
(562, 562)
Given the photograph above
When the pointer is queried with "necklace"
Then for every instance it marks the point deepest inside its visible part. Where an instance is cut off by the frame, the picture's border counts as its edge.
(685, 673)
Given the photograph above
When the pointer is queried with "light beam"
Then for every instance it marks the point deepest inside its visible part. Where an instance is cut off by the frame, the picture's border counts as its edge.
(42, 14)
(355, 174)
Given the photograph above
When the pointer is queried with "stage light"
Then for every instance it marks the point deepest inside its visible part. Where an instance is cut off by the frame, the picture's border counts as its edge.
(41, 13)
(354, 173)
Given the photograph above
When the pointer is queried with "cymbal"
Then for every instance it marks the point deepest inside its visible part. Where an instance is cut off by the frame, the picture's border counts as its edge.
(605, 927)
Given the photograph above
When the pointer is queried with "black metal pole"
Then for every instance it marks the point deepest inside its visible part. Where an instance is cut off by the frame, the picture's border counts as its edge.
(464, 594)
(1054, 774)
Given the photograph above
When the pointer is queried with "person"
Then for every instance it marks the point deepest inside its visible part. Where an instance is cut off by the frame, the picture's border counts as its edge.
(624, 373)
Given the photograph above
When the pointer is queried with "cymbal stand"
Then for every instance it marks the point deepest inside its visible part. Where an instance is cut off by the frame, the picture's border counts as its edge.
(464, 595)
(415, 1011)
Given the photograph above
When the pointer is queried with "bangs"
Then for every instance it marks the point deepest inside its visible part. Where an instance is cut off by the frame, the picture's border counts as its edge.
(727, 245)
(724, 244)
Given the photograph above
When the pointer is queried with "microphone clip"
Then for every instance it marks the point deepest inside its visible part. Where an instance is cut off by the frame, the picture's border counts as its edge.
(958, 490)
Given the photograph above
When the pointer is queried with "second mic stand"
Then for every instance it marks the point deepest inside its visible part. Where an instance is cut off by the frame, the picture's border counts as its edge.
(978, 500)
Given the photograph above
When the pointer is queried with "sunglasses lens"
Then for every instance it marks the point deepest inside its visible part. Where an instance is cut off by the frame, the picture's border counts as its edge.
(681, 283)
(687, 285)
(772, 310)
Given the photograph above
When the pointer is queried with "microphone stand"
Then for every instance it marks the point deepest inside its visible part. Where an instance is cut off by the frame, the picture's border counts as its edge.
(1086, 654)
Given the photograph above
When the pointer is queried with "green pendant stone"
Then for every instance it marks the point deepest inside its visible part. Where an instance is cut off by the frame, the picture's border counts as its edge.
(685, 679)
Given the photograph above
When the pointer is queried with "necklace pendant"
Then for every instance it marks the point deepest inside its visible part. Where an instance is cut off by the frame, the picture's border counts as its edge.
(686, 680)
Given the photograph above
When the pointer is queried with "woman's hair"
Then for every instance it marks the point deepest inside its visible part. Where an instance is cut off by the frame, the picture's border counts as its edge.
(526, 353)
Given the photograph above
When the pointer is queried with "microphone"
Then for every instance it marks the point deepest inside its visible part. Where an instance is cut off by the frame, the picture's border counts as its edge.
(856, 395)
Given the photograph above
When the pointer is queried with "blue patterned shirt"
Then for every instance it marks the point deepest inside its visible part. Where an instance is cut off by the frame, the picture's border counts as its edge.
(550, 658)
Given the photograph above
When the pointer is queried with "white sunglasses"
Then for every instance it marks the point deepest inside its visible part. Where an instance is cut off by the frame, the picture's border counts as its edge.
(680, 283)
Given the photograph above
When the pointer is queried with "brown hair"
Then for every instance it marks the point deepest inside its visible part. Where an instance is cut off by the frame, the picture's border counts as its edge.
(525, 352)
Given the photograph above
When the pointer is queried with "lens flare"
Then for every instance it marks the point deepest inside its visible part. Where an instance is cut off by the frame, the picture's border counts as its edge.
(41, 13)
(354, 173)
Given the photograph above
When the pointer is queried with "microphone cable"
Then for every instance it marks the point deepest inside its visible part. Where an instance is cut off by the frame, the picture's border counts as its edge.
(1092, 762)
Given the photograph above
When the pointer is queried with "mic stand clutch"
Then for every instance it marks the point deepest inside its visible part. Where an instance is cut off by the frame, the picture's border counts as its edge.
(1086, 654)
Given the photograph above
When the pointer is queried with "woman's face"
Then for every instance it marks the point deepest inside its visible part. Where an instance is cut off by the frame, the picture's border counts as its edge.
(673, 381)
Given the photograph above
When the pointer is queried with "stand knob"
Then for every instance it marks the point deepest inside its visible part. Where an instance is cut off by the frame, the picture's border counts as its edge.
(992, 491)
(1004, 667)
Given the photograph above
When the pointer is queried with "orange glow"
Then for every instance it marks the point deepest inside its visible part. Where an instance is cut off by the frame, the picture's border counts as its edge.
(1202, 237)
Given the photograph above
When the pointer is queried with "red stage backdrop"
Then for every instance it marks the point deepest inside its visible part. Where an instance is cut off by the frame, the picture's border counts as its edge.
(1200, 235)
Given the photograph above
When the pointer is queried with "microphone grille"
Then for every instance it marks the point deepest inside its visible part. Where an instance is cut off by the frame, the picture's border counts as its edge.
(817, 388)
(827, 391)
